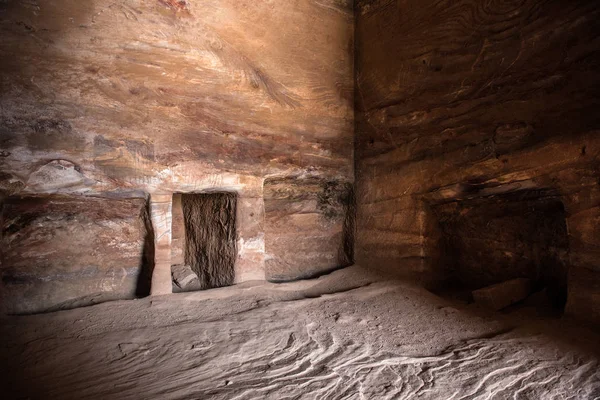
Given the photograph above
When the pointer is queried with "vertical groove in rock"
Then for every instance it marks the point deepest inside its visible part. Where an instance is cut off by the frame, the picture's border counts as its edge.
(145, 277)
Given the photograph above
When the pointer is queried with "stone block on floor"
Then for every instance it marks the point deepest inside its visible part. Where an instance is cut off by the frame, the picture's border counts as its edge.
(504, 294)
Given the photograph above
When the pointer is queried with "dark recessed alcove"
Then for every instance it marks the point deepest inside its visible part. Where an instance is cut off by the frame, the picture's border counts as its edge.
(204, 240)
(492, 239)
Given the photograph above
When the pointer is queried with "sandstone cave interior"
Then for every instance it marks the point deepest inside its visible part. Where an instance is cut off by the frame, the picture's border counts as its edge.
(307, 199)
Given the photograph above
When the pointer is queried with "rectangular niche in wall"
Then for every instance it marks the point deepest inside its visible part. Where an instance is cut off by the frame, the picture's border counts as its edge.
(204, 240)
(488, 240)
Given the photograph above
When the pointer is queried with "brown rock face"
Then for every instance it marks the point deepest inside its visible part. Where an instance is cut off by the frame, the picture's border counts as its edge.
(460, 103)
(164, 94)
(475, 139)
(65, 251)
(159, 97)
(309, 227)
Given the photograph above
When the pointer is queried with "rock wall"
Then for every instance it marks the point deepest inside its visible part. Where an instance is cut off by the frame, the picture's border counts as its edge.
(177, 231)
(66, 251)
(470, 100)
(136, 97)
(158, 94)
(309, 227)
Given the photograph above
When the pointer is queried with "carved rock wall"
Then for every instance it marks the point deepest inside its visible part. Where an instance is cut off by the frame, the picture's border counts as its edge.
(66, 251)
(137, 97)
(470, 100)
(488, 240)
(309, 227)
(156, 94)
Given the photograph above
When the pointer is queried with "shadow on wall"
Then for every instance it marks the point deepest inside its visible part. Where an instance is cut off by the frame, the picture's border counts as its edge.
(348, 199)
(144, 282)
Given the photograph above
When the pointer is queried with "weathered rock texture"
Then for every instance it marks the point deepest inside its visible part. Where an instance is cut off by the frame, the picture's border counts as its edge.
(65, 251)
(155, 96)
(468, 100)
(161, 216)
(150, 93)
(309, 227)
(459, 104)
(177, 231)
(210, 242)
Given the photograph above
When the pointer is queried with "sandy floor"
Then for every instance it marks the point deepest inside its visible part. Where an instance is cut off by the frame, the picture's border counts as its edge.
(366, 339)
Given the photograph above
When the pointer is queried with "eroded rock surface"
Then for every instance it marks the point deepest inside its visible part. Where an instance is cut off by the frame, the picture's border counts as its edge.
(161, 97)
(152, 93)
(309, 227)
(66, 251)
(503, 294)
(210, 242)
(470, 100)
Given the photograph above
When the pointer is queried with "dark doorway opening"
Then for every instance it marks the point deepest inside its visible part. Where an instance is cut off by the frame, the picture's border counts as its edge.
(493, 239)
(204, 238)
